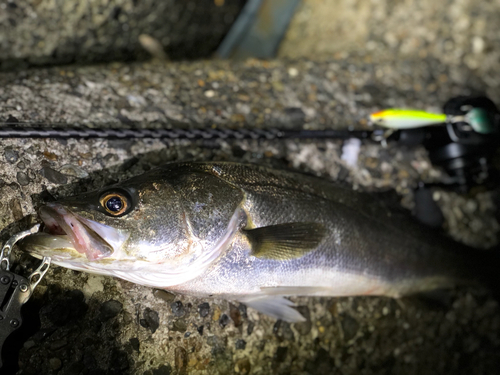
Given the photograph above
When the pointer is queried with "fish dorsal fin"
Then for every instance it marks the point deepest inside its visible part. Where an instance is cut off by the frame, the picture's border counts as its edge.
(285, 241)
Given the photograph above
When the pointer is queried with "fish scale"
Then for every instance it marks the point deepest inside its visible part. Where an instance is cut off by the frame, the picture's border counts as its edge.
(353, 246)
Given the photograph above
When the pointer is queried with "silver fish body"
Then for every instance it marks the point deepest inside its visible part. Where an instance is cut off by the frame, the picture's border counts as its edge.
(248, 233)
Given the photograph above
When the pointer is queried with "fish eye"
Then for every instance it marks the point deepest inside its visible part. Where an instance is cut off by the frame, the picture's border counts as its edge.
(115, 203)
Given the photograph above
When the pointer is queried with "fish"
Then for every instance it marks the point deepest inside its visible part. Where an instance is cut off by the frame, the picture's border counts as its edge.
(252, 234)
(396, 118)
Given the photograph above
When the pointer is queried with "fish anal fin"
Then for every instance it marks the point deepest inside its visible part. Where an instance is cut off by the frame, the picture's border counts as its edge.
(285, 241)
(275, 306)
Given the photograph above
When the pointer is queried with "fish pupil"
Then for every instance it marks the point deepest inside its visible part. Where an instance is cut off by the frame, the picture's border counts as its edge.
(114, 204)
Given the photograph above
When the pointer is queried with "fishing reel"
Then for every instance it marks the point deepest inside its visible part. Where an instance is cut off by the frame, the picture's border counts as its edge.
(467, 146)
(463, 141)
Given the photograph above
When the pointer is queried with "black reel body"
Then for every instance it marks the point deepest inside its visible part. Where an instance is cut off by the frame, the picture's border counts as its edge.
(465, 152)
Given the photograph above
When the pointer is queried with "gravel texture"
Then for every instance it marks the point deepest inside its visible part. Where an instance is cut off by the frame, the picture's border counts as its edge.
(98, 325)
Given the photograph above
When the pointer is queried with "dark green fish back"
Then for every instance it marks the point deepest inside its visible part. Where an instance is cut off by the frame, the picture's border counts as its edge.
(258, 179)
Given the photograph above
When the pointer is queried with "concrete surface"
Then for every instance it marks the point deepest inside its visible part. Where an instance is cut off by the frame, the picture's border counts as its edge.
(340, 61)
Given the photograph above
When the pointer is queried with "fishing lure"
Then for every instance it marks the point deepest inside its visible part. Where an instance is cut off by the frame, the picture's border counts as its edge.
(396, 118)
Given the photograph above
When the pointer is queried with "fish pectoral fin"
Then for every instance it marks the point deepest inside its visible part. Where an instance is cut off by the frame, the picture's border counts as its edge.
(276, 307)
(285, 241)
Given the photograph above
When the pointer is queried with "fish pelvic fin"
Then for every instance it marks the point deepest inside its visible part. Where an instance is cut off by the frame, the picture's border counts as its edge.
(275, 306)
(285, 241)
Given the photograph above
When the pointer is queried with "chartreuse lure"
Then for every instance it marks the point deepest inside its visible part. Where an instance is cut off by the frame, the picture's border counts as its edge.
(396, 118)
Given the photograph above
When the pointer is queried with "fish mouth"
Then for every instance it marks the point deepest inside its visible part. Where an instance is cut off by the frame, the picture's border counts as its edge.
(68, 234)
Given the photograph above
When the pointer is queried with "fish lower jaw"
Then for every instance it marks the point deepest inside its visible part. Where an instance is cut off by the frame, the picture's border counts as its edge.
(88, 237)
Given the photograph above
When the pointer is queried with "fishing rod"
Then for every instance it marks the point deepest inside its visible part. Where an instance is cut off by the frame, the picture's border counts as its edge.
(64, 131)
(463, 140)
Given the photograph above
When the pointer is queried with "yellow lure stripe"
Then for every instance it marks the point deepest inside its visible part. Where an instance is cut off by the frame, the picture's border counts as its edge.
(396, 118)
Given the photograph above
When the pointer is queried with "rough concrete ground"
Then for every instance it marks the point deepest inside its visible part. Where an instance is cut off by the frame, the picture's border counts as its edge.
(98, 325)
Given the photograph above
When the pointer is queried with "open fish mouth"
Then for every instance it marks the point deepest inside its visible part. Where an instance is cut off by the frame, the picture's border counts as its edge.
(68, 234)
